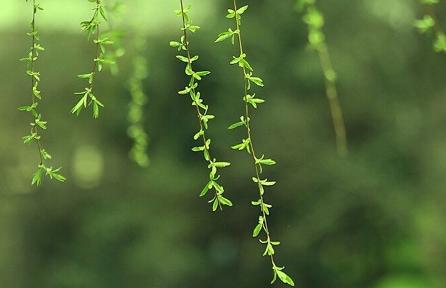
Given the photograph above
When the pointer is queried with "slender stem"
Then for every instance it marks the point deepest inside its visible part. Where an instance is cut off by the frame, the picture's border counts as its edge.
(33, 55)
(92, 26)
(199, 114)
(333, 99)
(249, 134)
(98, 48)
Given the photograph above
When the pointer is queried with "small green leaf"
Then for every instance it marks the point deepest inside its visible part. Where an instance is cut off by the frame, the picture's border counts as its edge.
(285, 278)
(224, 201)
(220, 164)
(206, 189)
(242, 10)
(215, 205)
(37, 177)
(236, 125)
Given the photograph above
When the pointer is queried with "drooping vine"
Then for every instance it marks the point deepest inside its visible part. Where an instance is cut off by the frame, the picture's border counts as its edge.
(202, 110)
(429, 24)
(93, 28)
(136, 132)
(316, 39)
(259, 160)
(38, 124)
(135, 115)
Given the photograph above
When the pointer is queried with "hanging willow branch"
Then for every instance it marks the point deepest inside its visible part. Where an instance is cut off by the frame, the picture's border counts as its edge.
(259, 161)
(93, 27)
(136, 132)
(429, 25)
(38, 123)
(202, 110)
(316, 38)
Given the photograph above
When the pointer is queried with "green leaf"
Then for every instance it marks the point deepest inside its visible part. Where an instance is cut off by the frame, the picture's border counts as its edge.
(245, 64)
(224, 201)
(256, 80)
(425, 24)
(45, 155)
(96, 106)
(37, 177)
(263, 161)
(174, 44)
(269, 250)
(284, 277)
(198, 134)
(183, 59)
(220, 164)
(215, 204)
(253, 101)
(198, 148)
(30, 138)
(258, 228)
(244, 145)
(314, 19)
(440, 42)
(231, 14)
(28, 108)
(198, 75)
(225, 35)
(54, 174)
(206, 189)
(236, 125)
(242, 10)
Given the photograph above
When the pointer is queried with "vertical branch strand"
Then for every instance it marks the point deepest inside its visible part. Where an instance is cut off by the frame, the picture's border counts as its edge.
(93, 27)
(316, 38)
(38, 123)
(136, 132)
(34, 57)
(247, 144)
(218, 200)
(333, 100)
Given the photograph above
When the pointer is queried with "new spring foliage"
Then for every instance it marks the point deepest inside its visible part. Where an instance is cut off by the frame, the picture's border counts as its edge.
(92, 27)
(218, 200)
(38, 124)
(316, 39)
(429, 24)
(251, 101)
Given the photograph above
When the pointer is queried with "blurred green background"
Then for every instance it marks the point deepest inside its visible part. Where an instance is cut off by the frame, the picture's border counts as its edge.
(374, 219)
